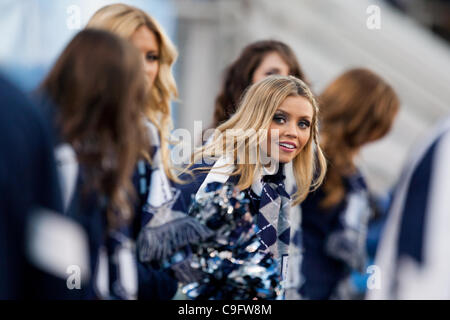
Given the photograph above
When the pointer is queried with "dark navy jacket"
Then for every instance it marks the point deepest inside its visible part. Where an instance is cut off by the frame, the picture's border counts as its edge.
(190, 189)
(192, 184)
(322, 272)
(154, 282)
(28, 180)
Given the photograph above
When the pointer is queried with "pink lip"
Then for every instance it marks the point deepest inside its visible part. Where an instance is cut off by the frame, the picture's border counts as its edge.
(287, 149)
(288, 142)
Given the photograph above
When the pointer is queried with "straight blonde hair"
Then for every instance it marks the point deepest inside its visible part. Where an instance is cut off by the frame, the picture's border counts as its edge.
(123, 20)
(255, 113)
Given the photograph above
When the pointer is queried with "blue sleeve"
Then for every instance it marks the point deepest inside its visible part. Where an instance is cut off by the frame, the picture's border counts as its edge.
(28, 179)
(413, 221)
(155, 284)
(189, 187)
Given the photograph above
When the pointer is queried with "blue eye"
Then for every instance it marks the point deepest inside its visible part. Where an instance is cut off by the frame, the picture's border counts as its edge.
(304, 124)
(279, 119)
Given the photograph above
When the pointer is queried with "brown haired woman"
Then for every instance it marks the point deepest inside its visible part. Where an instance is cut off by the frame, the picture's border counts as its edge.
(357, 108)
(256, 61)
(96, 93)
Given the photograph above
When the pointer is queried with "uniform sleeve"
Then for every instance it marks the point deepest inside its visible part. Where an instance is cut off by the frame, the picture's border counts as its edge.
(188, 189)
(28, 183)
(413, 258)
(155, 284)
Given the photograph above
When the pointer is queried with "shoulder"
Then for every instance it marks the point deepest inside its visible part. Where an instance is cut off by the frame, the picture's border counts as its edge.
(193, 181)
(425, 193)
(201, 175)
(356, 182)
(25, 138)
(18, 115)
(190, 185)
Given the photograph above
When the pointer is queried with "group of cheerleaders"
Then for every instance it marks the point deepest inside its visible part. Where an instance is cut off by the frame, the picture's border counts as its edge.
(108, 97)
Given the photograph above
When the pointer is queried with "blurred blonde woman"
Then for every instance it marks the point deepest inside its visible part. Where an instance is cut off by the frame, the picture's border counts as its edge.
(158, 53)
(278, 118)
(159, 220)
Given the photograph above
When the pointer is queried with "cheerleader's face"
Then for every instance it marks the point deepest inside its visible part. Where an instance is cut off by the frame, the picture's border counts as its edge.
(292, 121)
(145, 40)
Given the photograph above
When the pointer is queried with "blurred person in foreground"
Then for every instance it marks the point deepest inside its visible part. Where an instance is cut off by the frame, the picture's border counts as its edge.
(37, 244)
(357, 108)
(413, 258)
(94, 95)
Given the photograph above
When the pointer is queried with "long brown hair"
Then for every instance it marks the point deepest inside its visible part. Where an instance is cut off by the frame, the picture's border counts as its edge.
(99, 89)
(356, 108)
(239, 75)
(123, 20)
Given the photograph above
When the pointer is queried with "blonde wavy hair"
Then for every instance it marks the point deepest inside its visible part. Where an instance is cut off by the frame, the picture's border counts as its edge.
(123, 20)
(255, 114)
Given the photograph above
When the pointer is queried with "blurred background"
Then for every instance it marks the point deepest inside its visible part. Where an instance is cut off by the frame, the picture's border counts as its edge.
(409, 46)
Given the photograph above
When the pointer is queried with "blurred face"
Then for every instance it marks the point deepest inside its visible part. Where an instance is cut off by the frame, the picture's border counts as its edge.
(147, 43)
(292, 121)
(271, 64)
